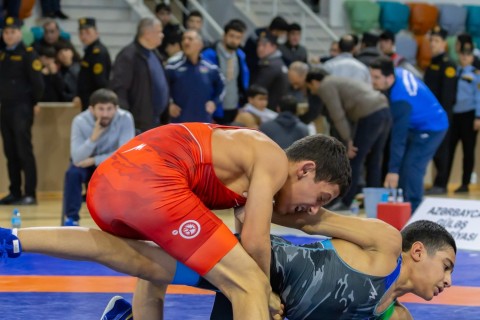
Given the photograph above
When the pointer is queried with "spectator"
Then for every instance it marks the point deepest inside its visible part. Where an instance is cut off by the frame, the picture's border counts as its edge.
(255, 112)
(278, 27)
(463, 39)
(271, 72)
(292, 50)
(21, 87)
(173, 48)
(51, 9)
(139, 80)
(52, 78)
(362, 118)
(466, 115)
(96, 63)
(69, 70)
(345, 65)
(194, 21)
(96, 133)
(419, 125)
(368, 49)
(228, 56)
(441, 79)
(202, 80)
(163, 12)
(333, 52)
(51, 36)
(386, 43)
(286, 128)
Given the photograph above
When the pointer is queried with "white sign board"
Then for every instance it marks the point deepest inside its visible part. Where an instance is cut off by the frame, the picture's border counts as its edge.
(460, 217)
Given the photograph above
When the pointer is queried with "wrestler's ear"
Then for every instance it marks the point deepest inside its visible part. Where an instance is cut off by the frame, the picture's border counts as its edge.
(418, 251)
(304, 167)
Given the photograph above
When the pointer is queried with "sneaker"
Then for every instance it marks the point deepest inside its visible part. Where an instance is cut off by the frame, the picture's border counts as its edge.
(118, 309)
(9, 199)
(61, 15)
(462, 189)
(69, 222)
(26, 201)
(435, 190)
(10, 246)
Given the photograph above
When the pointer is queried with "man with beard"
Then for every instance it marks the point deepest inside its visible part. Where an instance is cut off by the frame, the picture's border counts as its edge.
(96, 133)
(231, 61)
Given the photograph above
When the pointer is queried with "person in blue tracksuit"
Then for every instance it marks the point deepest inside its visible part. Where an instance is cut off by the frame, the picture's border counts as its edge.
(231, 60)
(419, 125)
(196, 85)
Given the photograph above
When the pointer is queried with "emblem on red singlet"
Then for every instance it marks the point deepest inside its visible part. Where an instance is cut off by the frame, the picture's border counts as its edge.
(188, 229)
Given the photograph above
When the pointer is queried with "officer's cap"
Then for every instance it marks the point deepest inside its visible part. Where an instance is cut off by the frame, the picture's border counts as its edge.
(12, 22)
(439, 31)
(87, 22)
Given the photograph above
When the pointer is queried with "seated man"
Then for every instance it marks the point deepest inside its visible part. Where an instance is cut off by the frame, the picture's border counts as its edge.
(354, 275)
(96, 133)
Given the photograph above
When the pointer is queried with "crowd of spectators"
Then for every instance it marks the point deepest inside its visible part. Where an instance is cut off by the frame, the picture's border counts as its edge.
(172, 73)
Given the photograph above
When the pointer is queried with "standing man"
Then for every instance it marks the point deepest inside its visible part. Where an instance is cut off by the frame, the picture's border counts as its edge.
(362, 119)
(231, 60)
(419, 126)
(202, 80)
(96, 63)
(139, 80)
(441, 79)
(163, 12)
(96, 133)
(271, 72)
(292, 50)
(21, 87)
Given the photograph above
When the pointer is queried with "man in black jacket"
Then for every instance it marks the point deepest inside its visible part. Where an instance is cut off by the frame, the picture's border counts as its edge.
(139, 78)
(21, 87)
(96, 63)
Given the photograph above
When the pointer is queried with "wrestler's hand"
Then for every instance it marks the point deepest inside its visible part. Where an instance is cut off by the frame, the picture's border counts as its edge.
(174, 110)
(210, 107)
(276, 307)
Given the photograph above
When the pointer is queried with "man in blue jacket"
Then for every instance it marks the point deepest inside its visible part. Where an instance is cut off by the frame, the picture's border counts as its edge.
(419, 125)
(196, 85)
(231, 60)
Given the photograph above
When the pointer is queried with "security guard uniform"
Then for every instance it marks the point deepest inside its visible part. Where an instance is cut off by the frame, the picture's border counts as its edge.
(95, 66)
(441, 79)
(21, 87)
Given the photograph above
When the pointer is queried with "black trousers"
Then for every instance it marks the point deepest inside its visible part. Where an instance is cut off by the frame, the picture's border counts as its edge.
(442, 160)
(461, 129)
(16, 120)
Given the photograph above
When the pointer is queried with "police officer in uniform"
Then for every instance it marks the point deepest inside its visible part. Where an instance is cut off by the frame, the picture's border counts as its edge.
(96, 63)
(21, 87)
(441, 79)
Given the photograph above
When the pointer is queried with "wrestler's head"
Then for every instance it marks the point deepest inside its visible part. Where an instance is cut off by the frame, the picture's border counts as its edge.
(429, 252)
(319, 171)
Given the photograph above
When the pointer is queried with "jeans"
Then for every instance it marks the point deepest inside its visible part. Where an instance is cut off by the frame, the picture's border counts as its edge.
(72, 194)
(420, 149)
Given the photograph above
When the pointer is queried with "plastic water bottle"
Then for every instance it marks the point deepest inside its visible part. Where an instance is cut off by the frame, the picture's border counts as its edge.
(391, 198)
(400, 195)
(355, 207)
(16, 219)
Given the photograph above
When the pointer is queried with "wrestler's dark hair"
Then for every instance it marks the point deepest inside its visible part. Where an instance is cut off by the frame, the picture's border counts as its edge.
(329, 155)
(433, 236)
(103, 96)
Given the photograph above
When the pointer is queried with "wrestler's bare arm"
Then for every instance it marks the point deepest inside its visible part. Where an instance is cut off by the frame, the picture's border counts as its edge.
(369, 234)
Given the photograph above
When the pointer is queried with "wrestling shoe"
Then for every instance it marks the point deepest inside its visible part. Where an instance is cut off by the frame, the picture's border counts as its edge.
(10, 246)
(118, 309)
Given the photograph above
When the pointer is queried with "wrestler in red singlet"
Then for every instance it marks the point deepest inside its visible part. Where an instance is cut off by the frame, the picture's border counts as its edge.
(160, 186)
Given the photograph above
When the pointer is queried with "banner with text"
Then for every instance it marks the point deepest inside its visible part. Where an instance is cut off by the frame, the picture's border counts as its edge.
(460, 217)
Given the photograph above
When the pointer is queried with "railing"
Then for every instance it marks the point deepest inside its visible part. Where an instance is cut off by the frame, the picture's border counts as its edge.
(140, 8)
